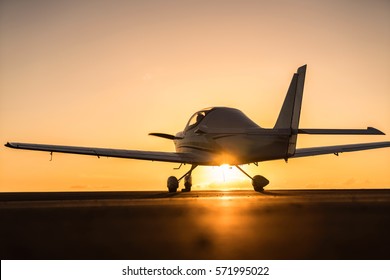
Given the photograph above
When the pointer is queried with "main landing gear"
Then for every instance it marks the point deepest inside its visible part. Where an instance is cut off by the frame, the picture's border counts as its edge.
(258, 182)
(173, 182)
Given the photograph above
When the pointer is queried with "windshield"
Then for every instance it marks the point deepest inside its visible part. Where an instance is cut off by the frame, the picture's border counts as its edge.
(196, 118)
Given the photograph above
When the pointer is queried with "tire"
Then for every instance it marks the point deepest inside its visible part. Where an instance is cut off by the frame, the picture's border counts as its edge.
(259, 182)
(172, 184)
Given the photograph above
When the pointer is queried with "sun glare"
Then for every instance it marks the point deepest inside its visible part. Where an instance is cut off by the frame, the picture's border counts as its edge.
(223, 176)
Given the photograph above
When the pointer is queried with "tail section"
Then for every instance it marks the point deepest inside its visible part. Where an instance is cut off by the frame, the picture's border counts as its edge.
(291, 109)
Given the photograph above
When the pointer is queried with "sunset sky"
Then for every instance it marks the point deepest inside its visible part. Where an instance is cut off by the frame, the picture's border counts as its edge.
(106, 73)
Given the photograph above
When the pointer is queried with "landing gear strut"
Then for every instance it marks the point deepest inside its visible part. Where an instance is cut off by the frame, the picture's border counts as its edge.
(258, 182)
(173, 182)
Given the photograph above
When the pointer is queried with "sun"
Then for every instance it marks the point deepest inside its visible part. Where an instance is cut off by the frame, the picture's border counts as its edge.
(222, 175)
(226, 169)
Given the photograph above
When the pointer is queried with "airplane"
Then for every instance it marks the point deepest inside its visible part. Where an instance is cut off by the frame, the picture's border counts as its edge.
(222, 135)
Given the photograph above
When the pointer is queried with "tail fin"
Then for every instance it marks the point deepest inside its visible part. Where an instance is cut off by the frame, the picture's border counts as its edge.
(291, 109)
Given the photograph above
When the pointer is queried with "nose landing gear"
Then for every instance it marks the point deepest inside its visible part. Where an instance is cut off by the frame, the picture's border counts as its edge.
(173, 182)
(187, 183)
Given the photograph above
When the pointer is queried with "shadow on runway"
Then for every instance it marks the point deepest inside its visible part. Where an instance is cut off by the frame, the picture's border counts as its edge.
(272, 193)
(275, 224)
(104, 195)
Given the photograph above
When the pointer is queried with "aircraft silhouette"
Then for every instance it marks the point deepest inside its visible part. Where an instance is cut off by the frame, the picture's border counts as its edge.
(221, 135)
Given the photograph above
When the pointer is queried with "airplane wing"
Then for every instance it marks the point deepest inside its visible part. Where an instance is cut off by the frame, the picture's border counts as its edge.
(102, 152)
(305, 152)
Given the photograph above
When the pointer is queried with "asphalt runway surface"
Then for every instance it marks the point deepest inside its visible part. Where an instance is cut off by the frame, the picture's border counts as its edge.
(310, 224)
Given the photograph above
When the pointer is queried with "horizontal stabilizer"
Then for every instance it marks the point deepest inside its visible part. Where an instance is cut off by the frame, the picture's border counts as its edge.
(221, 132)
(305, 152)
(368, 131)
(164, 135)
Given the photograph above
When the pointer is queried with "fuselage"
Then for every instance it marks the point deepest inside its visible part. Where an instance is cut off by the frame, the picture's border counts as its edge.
(228, 136)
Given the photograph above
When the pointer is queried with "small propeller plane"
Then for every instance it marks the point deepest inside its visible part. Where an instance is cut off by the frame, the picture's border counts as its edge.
(222, 135)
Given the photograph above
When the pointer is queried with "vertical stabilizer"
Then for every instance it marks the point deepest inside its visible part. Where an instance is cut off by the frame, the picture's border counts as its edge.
(291, 109)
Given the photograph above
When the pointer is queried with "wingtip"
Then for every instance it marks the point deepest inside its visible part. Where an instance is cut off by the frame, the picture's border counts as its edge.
(12, 145)
(8, 144)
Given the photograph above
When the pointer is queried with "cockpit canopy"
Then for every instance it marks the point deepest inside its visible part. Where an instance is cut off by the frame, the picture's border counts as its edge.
(220, 117)
(197, 118)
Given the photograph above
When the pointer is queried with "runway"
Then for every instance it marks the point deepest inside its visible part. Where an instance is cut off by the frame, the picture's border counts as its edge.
(310, 224)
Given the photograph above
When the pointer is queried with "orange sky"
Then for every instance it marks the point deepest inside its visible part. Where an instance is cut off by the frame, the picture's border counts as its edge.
(106, 73)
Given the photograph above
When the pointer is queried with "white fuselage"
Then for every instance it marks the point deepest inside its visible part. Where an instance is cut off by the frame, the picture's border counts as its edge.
(231, 138)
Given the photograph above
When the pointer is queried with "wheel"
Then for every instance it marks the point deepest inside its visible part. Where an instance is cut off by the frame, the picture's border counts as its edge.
(259, 182)
(173, 184)
(187, 183)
